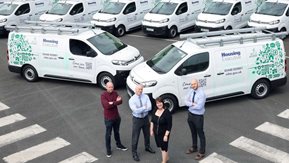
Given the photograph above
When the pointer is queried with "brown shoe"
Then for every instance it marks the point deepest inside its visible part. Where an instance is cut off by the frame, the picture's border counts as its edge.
(191, 150)
(199, 156)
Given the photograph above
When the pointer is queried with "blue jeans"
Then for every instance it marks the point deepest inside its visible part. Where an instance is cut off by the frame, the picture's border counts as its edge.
(112, 125)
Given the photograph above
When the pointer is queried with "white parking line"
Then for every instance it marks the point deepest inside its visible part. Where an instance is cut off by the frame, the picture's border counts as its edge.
(80, 158)
(284, 114)
(261, 150)
(36, 151)
(216, 158)
(274, 130)
(3, 106)
(15, 136)
(11, 119)
(139, 36)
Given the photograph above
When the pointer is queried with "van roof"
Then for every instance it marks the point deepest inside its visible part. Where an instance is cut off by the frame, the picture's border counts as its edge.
(122, 1)
(75, 1)
(19, 1)
(279, 1)
(174, 1)
(229, 1)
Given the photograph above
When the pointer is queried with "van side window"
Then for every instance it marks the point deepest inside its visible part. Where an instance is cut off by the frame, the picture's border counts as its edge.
(183, 8)
(194, 64)
(80, 48)
(287, 13)
(77, 9)
(24, 9)
(237, 8)
(129, 8)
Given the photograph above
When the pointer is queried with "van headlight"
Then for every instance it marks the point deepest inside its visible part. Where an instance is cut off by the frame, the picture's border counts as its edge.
(274, 22)
(59, 20)
(3, 20)
(111, 20)
(149, 83)
(164, 20)
(119, 62)
(220, 21)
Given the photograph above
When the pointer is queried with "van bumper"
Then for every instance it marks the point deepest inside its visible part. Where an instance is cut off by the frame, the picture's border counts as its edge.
(157, 31)
(111, 29)
(204, 29)
(279, 82)
(14, 69)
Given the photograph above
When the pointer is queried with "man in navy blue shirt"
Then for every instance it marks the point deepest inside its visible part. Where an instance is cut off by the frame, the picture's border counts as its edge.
(195, 100)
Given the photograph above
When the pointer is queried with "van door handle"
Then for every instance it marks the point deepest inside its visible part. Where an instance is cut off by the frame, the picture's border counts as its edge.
(207, 76)
(60, 58)
(220, 73)
(71, 59)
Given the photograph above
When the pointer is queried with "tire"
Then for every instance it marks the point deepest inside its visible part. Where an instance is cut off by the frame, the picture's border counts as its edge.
(29, 73)
(105, 77)
(260, 89)
(120, 31)
(283, 30)
(229, 28)
(170, 102)
(172, 32)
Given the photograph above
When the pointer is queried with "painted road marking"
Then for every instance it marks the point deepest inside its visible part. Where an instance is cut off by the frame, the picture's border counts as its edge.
(261, 150)
(3, 106)
(80, 158)
(11, 119)
(216, 158)
(274, 130)
(284, 114)
(15, 136)
(36, 151)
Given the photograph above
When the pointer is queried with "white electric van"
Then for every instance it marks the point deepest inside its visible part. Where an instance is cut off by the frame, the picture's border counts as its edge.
(78, 11)
(225, 65)
(16, 12)
(225, 14)
(70, 53)
(273, 15)
(121, 16)
(170, 17)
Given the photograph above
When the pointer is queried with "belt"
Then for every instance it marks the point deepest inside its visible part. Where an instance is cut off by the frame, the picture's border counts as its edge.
(196, 114)
(140, 117)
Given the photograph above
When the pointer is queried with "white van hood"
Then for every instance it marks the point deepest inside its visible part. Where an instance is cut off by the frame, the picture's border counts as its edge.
(49, 17)
(210, 17)
(142, 73)
(126, 54)
(155, 17)
(103, 16)
(263, 18)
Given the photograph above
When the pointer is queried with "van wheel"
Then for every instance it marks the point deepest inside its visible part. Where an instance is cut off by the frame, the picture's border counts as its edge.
(120, 30)
(29, 73)
(260, 89)
(170, 102)
(229, 28)
(103, 78)
(172, 32)
(283, 30)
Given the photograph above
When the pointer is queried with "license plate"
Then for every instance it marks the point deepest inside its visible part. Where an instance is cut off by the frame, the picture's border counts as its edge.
(204, 30)
(150, 29)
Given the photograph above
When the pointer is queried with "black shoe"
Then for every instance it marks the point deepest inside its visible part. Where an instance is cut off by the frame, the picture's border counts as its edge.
(150, 150)
(108, 154)
(135, 157)
(121, 147)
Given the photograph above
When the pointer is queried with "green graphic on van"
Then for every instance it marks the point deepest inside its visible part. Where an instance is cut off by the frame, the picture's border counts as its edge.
(20, 50)
(270, 60)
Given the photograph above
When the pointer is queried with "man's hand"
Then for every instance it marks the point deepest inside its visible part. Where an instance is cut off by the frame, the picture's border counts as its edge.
(110, 103)
(118, 98)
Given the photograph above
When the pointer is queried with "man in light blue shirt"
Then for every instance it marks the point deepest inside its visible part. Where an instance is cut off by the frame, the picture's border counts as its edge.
(140, 105)
(195, 100)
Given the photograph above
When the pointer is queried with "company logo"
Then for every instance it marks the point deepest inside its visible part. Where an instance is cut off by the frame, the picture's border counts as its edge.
(247, 2)
(195, 2)
(145, 1)
(50, 41)
(231, 55)
(91, 3)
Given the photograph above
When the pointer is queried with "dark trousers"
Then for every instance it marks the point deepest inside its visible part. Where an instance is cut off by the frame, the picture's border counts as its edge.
(112, 125)
(138, 125)
(196, 123)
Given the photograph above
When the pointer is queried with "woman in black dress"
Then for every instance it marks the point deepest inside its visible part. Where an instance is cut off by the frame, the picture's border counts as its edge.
(161, 124)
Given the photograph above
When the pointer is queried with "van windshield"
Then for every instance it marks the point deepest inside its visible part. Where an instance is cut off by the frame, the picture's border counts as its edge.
(272, 8)
(164, 8)
(60, 9)
(106, 43)
(166, 59)
(7, 9)
(218, 8)
(112, 8)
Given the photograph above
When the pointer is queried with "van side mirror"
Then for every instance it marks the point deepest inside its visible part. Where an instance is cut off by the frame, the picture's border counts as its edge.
(91, 53)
